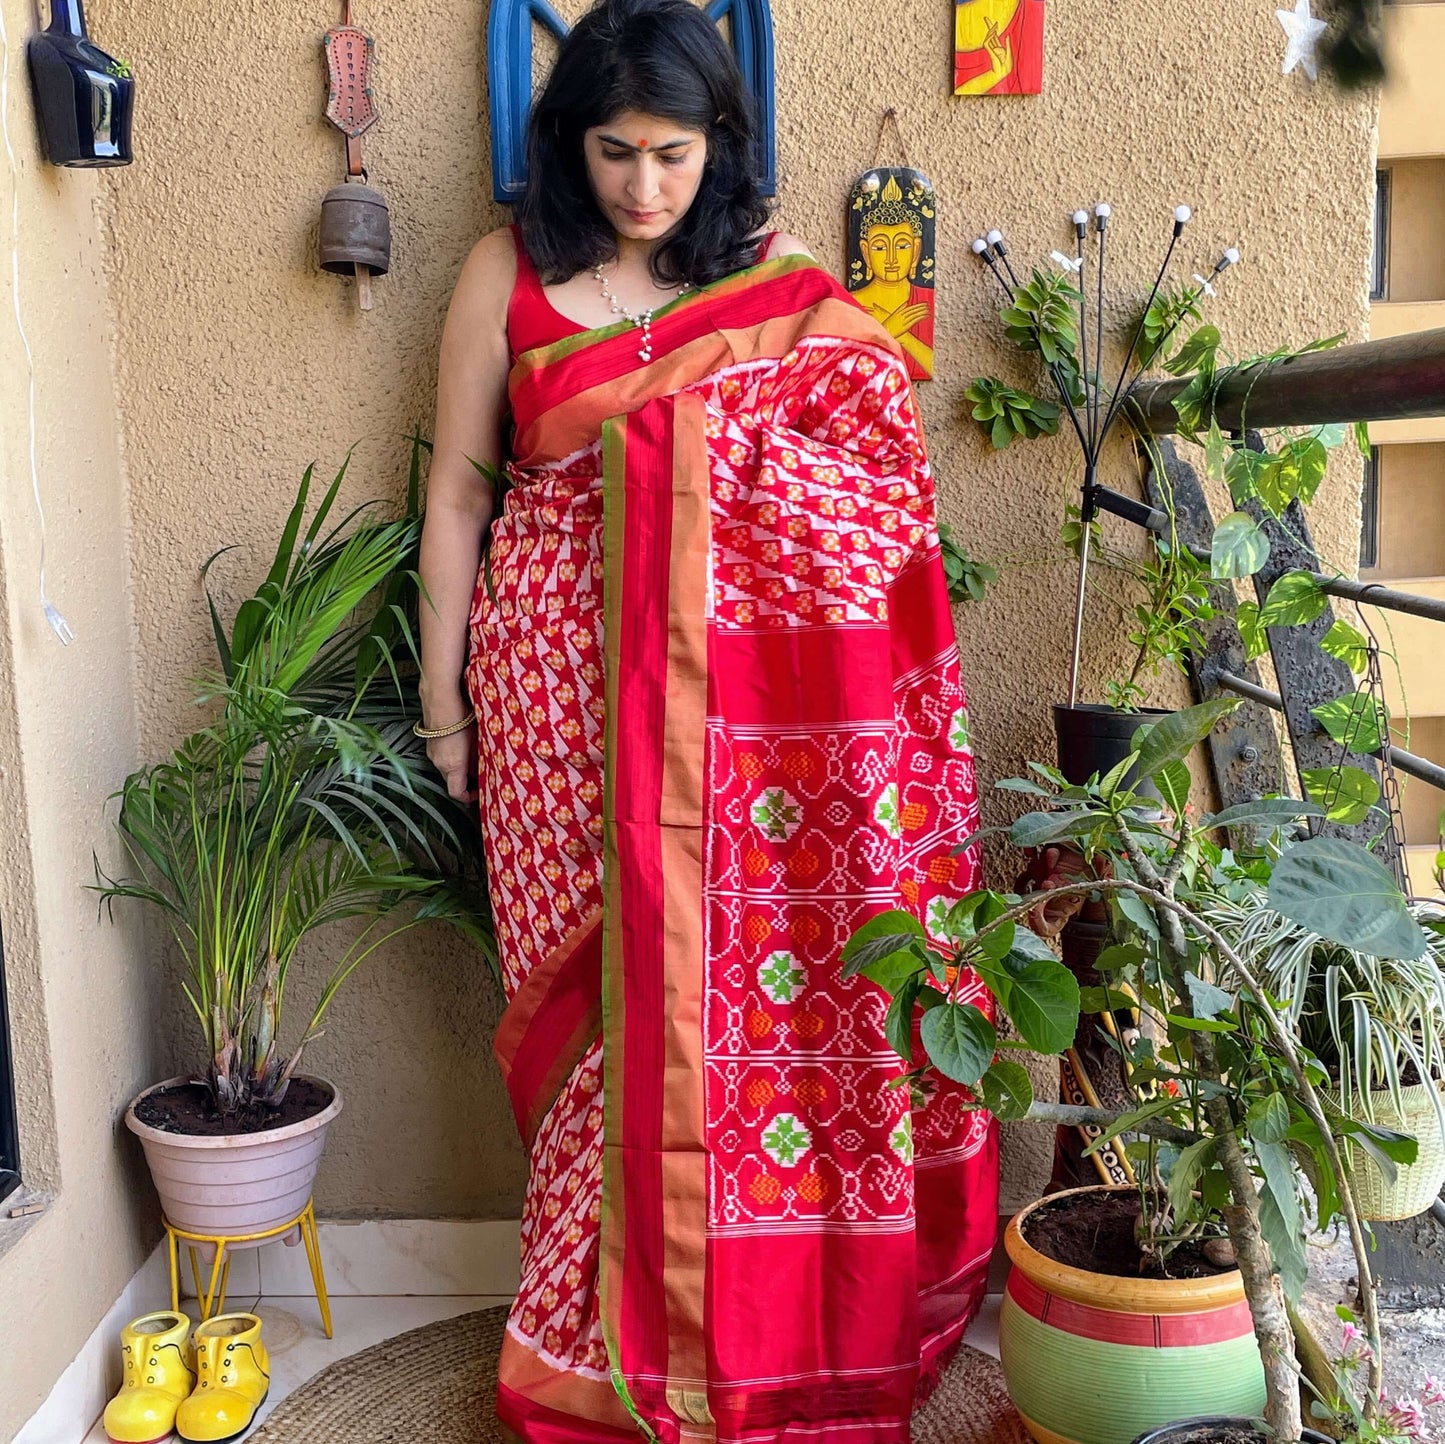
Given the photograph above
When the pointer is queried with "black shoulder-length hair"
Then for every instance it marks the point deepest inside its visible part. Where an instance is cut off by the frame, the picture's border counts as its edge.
(658, 57)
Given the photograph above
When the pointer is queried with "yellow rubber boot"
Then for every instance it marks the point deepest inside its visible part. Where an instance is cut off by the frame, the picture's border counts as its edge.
(233, 1378)
(156, 1352)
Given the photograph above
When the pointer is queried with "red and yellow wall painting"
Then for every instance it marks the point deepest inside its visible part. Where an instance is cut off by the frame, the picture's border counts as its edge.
(998, 47)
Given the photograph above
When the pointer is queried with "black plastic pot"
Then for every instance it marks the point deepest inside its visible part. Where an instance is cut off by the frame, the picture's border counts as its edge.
(1172, 1432)
(1093, 738)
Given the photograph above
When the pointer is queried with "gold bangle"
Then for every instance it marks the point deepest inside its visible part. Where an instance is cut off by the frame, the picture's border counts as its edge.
(431, 732)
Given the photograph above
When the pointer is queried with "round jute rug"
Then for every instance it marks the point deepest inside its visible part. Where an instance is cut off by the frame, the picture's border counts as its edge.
(435, 1385)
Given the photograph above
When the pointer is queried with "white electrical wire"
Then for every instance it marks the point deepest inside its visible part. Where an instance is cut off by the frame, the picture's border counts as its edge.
(58, 624)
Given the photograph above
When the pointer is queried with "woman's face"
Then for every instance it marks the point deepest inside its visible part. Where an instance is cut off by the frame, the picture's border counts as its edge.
(645, 172)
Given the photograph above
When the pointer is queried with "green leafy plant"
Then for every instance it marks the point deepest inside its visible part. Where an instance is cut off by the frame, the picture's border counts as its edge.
(1042, 318)
(1165, 622)
(1163, 321)
(1008, 414)
(967, 579)
(1228, 1108)
(306, 801)
(1366, 1019)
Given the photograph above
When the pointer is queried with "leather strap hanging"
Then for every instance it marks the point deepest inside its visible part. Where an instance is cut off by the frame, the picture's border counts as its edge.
(350, 106)
(355, 236)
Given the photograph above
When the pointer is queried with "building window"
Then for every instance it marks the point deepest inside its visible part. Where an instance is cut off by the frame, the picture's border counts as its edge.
(1378, 261)
(1370, 512)
(9, 1127)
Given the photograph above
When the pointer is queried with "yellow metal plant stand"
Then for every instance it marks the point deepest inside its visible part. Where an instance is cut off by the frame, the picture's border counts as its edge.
(213, 1299)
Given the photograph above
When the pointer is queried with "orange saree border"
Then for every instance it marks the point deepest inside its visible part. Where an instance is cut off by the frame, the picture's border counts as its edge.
(680, 812)
(551, 1021)
(562, 395)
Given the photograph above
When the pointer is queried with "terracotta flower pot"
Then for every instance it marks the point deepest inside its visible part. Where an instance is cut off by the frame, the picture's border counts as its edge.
(1417, 1185)
(1094, 1359)
(234, 1183)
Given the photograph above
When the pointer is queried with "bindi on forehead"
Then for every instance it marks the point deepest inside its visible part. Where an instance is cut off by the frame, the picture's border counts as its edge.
(642, 143)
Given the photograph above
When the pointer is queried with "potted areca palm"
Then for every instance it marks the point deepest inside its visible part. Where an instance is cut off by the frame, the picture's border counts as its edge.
(304, 802)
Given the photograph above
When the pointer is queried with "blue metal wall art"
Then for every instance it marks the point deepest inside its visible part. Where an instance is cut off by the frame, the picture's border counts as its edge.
(752, 27)
(509, 76)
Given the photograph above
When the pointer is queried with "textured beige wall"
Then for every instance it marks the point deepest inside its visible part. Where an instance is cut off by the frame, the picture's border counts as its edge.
(240, 362)
(1423, 806)
(78, 988)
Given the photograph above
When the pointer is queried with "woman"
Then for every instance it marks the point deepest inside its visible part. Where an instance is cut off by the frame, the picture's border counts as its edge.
(720, 726)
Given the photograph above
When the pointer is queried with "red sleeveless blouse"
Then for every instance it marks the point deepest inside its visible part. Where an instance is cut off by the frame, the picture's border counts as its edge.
(533, 321)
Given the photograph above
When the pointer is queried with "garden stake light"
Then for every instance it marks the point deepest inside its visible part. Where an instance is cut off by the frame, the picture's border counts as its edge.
(1086, 389)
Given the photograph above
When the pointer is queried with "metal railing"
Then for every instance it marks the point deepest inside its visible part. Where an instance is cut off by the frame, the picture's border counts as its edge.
(1400, 378)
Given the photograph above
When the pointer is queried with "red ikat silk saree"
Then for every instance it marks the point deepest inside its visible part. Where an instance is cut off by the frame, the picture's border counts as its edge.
(723, 725)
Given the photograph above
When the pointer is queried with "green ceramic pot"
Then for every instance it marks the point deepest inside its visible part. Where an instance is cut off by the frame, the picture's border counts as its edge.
(1094, 1359)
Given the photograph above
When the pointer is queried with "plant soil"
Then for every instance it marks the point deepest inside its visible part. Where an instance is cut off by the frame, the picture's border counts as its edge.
(1096, 1231)
(1219, 1434)
(187, 1108)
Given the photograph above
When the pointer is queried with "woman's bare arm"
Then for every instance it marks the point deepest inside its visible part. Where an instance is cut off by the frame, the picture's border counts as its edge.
(787, 245)
(471, 397)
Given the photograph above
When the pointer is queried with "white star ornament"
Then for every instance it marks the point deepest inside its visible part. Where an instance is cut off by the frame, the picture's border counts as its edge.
(1303, 32)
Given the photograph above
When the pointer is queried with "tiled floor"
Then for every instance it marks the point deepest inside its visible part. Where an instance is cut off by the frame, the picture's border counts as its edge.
(292, 1329)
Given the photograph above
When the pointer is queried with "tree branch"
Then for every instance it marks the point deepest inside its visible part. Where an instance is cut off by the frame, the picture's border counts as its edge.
(1075, 1115)
(1281, 1037)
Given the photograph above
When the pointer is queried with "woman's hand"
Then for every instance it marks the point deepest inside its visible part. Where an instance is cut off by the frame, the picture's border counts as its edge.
(455, 757)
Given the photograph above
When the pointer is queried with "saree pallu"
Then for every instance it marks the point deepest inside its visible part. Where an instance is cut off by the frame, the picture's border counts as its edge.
(722, 726)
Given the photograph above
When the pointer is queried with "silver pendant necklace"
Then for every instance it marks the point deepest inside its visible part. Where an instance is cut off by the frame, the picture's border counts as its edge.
(642, 320)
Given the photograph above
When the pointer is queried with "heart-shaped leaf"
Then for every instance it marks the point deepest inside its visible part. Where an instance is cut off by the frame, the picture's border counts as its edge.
(1294, 600)
(1007, 1091)
(960, 1041)
(1197, 353)
(1353, 721)
(1302, 466)
(1342, 892)
(1251, 630)
(1240, 547)
(1347, 643)
(1346, 793)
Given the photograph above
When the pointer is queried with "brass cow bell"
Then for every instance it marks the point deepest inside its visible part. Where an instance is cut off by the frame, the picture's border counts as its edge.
(355, 233)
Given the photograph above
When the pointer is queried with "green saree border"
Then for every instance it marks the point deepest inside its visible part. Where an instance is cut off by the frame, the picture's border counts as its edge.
(764, 271)
(613, 1220)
